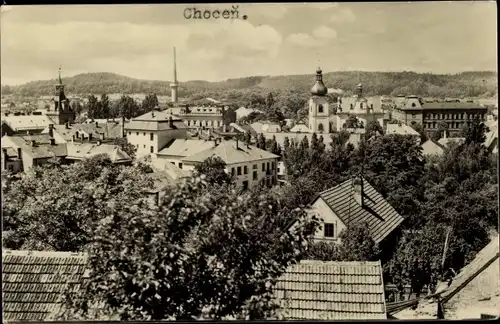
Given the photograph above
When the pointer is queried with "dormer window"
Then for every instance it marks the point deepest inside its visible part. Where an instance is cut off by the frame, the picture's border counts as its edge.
(413, 104)
(361, 105)
(320, 108)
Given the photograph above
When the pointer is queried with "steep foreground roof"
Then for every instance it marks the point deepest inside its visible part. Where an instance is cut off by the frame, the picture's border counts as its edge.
(381, 217)
(80, 151)
(430, 147)
(33, 281)
(317, 290)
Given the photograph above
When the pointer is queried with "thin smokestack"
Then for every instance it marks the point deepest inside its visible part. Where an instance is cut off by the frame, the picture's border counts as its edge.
(175, 67)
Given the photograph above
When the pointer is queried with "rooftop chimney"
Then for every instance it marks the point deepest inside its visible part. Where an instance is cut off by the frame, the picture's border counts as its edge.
(170, 122)
(33, 143)
(96, 124)
(102, 136)
(19, 153)
(51, 130)
(66, 125)
(4, 152)
(98, 142)
(123, 126)
(358, 190)
(52, 141)
(90, 137)
(237, 147)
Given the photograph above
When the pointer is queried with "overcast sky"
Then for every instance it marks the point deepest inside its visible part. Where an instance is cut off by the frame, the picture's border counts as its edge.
(275, 39)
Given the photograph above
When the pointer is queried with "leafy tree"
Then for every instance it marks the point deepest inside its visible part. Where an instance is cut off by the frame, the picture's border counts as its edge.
(261, 141)
(57, 207)
(127, 107)
(229, 116)
(269, 100)
(372, 127)
(275, 147)
(475, 131)
(149, 103)
(353, 122)
(214, 170)
(93, 107)
(128, 148)
(420, 129)
(202, 254)
(105, 107)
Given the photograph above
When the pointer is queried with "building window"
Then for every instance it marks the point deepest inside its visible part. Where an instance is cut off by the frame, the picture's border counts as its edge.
(172, 162)
(245, 185)
(361, 105)
(239, 170)
(151, 149)
(144, 146)
(263, 167)
(320, 128)
(245, 171)
(137, 133)
(329, 230)
(320, 108)
(144, 134)
(130, 133)
(255, 175)
(232, 171)
(254, 167)
(180, 165)
(278, 170)
(151, 136)
(272, 165)
(268, 166)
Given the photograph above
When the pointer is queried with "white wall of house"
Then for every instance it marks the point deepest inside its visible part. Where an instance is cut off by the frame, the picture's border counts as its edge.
(256, 171)
(321, 210)
(147, 141)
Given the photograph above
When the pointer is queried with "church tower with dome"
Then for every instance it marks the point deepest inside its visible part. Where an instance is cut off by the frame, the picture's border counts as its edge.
(319, 112)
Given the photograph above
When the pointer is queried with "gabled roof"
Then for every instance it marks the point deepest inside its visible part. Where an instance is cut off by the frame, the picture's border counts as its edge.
(42, 149)
(380, 216)
(110, 130)
(230, 153)
(19, 123)
(485, 257)
(34, 280)
(80, 151)
(155, 121)
(430, 147)
(400, 129)
(447, 140)
(185, 147)
(300, 128)
(317, 290)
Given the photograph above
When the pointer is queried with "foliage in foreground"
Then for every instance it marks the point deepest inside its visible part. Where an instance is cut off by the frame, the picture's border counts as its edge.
(199, 255)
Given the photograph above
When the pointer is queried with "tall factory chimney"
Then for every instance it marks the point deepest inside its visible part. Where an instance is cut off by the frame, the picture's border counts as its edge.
(174, 85)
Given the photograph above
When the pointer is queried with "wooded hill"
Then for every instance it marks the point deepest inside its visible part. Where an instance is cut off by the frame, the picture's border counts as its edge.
(469, 84)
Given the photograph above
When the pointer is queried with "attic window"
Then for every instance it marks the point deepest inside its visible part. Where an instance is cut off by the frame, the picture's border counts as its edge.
(329, 230)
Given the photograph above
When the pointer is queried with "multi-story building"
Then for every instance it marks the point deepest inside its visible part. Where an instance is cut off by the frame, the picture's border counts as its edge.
(152, 131)
(431, 113)
(247, 163)
(204, 116)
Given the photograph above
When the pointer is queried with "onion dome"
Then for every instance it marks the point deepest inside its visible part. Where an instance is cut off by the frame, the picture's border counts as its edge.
(319, 88)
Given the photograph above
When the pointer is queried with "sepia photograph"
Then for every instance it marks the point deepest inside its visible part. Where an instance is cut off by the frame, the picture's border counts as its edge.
(249, 162)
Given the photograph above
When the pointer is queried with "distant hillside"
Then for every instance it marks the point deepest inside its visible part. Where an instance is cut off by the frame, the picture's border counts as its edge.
(470, 84)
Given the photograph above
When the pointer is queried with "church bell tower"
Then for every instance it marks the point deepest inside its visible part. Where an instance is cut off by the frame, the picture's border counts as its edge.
(319, 112)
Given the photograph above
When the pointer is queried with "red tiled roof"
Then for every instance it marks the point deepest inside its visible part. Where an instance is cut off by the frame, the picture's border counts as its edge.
(380, 216)
(33, 281)
(317, 290)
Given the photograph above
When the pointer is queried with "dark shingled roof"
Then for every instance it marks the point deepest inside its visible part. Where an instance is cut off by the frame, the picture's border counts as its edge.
(381, 217)
(42, 149)
(33, 281)
(317, 290)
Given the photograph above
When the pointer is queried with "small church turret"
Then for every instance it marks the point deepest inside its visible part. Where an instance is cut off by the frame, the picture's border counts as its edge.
(62, 111)
(319, 111)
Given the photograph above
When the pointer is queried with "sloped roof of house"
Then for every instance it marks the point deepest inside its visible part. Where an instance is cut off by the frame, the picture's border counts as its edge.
(430, 147)
(380, 216)
(79, 151)
(238, 127)
(42, 149)
(18, 123)
(185, 147)
(452, 105)
(160, 181)
(317, 290)
(157, 120)
(231, 153)
(110, 130)
(447, 140)
(34, 280)
(489, 254)
(400, 129)
(300, 128)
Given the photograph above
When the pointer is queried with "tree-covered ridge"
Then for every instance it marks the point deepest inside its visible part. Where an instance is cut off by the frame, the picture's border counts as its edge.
(375, 83)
